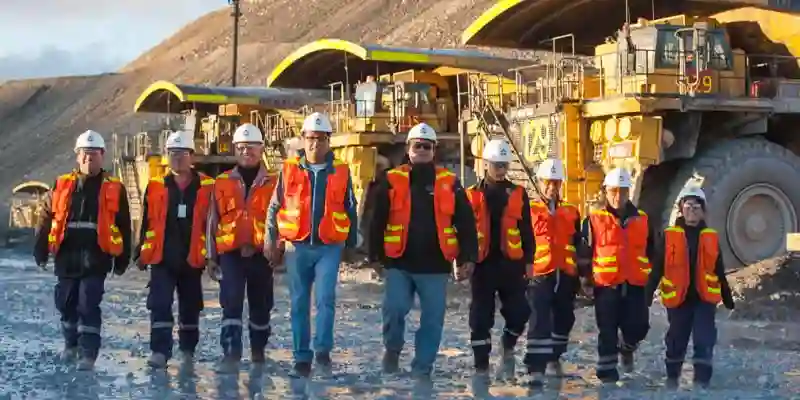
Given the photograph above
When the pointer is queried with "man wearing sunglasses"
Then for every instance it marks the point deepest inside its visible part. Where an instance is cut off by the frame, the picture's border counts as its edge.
(553, 274)
(172, 243)
(86, 226)
(505, 247)
(618, 238)
(313, 210)
(234, 246)
(427, 226)
(691, 277)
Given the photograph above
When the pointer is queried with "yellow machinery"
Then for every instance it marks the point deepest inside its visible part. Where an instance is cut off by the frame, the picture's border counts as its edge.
(24, 212)
(685, 92)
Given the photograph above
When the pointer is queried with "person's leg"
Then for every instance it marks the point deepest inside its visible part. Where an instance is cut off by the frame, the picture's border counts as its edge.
(260, 299)
(190, 305)
(231, 299)
(398, 298)
(677, 339)
(481, 315)
(326, 279)
(634, 324)
(607, 314)
(432, 291)
(91, 294)
(66, 296)
(539, 347)
(563, 314)
(299, 260)
(704, 336)
(515, 311)
(159, 301)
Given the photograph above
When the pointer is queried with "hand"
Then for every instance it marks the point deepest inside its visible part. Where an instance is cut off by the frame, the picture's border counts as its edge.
(213, 270)
(586, 288)
(464, 271)
(42, 265)
(119, 271)
(139, 264)
(273, 251)
(728, 303)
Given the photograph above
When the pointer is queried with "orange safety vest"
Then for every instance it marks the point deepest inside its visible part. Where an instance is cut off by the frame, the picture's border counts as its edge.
(620, 254)
(675, 282)
(241, 221)
(294, 216)
(109, 238)
(152, 250)
(554, 235)
(509, 228)
(395, 236)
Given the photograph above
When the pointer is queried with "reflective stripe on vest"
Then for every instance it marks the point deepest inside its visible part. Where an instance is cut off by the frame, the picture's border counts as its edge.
(241, 223)
(109, 237)
(511, 241)
(395, 235)
(554, 235)
(620, 254)
(675, 282)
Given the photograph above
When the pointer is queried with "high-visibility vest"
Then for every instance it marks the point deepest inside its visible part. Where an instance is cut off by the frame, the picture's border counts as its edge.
(554, 235)
(675, 282)
(395, 236)
(295, 215)
(152, 250)
(109, 237)
(510, 239)
(241, 223)
(620, 254)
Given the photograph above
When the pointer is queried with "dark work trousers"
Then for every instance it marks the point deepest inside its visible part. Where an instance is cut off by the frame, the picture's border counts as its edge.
(618, 308)
(552, 302)
(255, 274)
(695, 318)
(508, 284)
(78, 301)
(164, 281)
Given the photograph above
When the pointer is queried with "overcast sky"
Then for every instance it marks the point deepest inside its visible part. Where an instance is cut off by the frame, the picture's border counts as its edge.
(68, 37)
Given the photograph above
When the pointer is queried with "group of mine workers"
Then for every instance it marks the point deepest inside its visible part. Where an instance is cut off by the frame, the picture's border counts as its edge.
(535, 256)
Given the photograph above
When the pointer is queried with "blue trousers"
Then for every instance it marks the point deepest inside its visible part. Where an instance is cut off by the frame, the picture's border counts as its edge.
(312, 267)
(400, 287)
(255, 275)
(78, 301)
(552, 303)
(619, 309)
(164, 281)
(695, 319)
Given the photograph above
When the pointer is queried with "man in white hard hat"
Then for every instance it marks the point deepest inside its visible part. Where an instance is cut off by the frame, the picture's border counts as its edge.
(86, 226)
(427, 226)
(553, 274)
(234, 247)
(505, 248)
(691, 276)
(619, 240)
(172, 244)
(313, 210)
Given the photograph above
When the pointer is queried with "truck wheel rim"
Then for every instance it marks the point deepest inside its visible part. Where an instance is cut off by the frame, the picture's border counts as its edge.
(758, 220)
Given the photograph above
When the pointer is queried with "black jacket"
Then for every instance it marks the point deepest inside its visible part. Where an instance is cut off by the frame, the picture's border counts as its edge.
(79, 254)
(586, 250)
(496, 195)
(423, 254)
(692, 244)
(178, 231)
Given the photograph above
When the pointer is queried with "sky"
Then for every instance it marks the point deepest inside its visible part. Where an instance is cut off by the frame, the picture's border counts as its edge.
(40, 38)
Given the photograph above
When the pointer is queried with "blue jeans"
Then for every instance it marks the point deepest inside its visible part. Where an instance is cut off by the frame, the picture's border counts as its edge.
(318, 266)
(400, 287)
(78, 301)
(695, 319)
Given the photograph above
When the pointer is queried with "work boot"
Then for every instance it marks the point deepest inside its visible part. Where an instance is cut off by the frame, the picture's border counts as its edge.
(391, 362)
(302, 369)
(536, 379)
(229, 364)
(157, 360)
(508, 361)
(68, 355)
(86, 364)
(323, 360)
(626, 359)
(672, 382)
(555, 368)
(257, 356)
(187, 356)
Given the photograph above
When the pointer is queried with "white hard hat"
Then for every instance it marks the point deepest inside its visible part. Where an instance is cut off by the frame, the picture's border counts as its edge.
(421, 131)
(180, 140)
(248, 133)
(618, 177)
(497, 150)
(317, 122)
(692, 191)
(551, 169)
(90, 140)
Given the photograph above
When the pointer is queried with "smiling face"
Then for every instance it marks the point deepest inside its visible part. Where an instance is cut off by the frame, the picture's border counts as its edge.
(692, 210)
(551, 188)
(316, 145)
(90, 160)
(180, 160)
(421, 151)
(248, 155)
(617, 197)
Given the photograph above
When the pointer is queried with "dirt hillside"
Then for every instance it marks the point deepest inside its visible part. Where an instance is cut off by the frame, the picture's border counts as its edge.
(39, 119)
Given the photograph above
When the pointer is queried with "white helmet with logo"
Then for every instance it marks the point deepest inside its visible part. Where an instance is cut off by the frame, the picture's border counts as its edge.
(421, 131)
(180, 140)
(248, 133)
(497, 150)
(550, 169)
(317, 122)
(90, 140)
(618, 177)
(692, 191)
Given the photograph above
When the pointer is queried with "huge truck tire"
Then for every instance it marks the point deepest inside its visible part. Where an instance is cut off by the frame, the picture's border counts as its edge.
(753, 196)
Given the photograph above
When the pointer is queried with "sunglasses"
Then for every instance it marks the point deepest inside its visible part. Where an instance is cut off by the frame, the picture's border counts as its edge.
(500, 165)
(316, 138)
(422, 146)
(692, 207)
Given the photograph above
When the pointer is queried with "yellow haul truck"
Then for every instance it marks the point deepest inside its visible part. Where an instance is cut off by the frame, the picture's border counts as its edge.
(679, 92)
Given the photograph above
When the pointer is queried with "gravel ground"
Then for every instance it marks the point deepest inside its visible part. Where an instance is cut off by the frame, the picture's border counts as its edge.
(753, 360)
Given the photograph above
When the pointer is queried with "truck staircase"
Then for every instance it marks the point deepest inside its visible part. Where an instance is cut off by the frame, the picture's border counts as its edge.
(130, 178)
